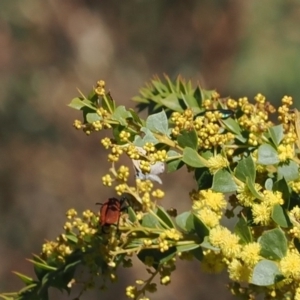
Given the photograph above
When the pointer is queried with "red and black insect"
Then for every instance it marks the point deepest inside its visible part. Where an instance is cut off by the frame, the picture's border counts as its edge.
(110, 212)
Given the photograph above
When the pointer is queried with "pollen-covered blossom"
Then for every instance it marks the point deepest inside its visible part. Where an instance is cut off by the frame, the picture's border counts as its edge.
(262, 213)
(297, 294)
(208, 217)
(250, 254)
(245, 196)
(208, 198)
(238, 271)
(228, 242)
(216, 163)
(290, 265)
(212, 262)
(273, 198)
(285, 152)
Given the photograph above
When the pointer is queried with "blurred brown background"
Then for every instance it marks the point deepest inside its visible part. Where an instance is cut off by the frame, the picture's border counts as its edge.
(50, 48)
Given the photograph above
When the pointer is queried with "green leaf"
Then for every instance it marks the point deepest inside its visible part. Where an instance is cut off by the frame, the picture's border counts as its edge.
(207, 245)
(79, 103)
(192, 158)
(269, 184)
(267, 155)
(283, 187)
(243, 231)
(150, 221)
(280, 217)
(108, 103)
(158, 123)
(190, 101)
(157, 256)
(27, 280)
(223, 182)
(164, 216)
(200, 228)
(188, 138)
(121, 115)
(174, 161)
(71, 237)
(76, 103)
(276, 134)
(42, 266)
(93, 117)
(172, 102)
(131, 214)
(265, 273)
(251, 186)
(147, 138)
(187, 247)
(204, 178)
(288, 171)
(198, 253)
(181, 220)
(233, 126)
(136, 117)
(273, 244)
(245, 168)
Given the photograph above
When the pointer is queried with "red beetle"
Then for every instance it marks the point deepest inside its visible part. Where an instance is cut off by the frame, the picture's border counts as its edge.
(110, 212)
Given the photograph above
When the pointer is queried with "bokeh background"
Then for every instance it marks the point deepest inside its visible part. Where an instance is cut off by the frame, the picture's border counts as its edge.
(48, 49)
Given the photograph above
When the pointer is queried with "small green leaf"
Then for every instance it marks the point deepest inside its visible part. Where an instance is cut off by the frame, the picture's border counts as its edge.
(251, 186)
(269, 184)
(174, 161)
(207, 245)
(198, 253)
(121, 115)
(273, 244)
(223, 182)
(136, 117)
(204, 178)
(234, 127)
(42, 266)
(187, 247)
(288, 171)
(188, 138)
(283, 187)
(164, 216)
(267, 155)
(192, 158)
(243, 231)
(181, 220)
(131, 214)
(280, 217)
(76, 103)
(150, 221)
(172, 102)
(200, 228)
(108, 103)
(158, 123)
(157, 256)
(93, 117)
(79, 103)
(27, 280)
(190, 101)
(265, 273)
(246, 168)
(276, 134)
(71, 237)
(147, 138)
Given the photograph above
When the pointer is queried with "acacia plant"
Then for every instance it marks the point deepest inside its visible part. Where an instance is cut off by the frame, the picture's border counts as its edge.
(245, 167)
